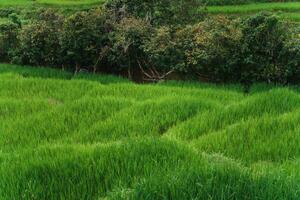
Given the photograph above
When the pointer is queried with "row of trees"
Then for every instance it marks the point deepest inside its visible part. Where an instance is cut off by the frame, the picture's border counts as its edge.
(126, 37)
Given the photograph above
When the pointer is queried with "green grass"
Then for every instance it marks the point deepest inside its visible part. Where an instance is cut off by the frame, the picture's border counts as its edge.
(28, 3)
(250, 8)
(285, 10)
(103, 137)
(293, 16)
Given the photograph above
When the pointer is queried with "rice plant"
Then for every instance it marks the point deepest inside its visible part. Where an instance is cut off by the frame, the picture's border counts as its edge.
(103, 137)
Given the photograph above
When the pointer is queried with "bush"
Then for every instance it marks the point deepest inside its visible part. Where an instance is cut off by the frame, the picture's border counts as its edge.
(39, 40)
(218, 49)
(127, 42)
(263, 41)
(258, 48)
(237, 2)
(6, 12)
(160, 11)
(290, 60)
(8, 40)
(162, 55)
(83, 37)
(216, 43)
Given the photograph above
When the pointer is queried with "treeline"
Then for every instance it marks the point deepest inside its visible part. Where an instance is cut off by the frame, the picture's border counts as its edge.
(154, 40)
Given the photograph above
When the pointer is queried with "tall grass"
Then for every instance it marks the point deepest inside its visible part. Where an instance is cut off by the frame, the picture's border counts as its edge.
(103, 137)
(255, 7)
(5, 3)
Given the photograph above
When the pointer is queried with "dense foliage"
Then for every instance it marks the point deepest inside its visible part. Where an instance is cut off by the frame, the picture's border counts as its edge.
(159, 11)
(131, 40)
(39, 40)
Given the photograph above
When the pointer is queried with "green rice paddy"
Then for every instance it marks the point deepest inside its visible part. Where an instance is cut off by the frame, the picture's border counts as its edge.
(286, 10)
(103, 137)
(7, 3)
(256, 7)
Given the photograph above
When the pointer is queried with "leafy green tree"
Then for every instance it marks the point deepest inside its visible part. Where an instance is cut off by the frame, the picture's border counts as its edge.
(83, 37)
(162, 55)
(290, 61)
(160, 11)
(127, 44)
(39, 40)
(8, 40)
(210, 49)
(264, 37)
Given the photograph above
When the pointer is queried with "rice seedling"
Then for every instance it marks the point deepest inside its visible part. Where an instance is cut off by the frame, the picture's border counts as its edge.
(103, 137)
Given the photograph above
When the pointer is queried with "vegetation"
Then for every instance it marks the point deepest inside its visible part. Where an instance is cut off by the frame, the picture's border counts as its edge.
(6, 3)
(240, 2)
(111, 40)
(287, 7)
(285, 10)
(67, 132)
(92, 137)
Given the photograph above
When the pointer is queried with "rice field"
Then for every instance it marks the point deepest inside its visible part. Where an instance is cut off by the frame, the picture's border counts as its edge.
(285, 10)
(22, 3)
(103, 137)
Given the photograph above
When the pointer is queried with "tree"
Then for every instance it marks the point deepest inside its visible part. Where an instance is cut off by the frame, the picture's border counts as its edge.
(39, 40)
(8, 39)
(263, 39)
(83, 38)
(127, 41)
(160, 11)
(210, 48)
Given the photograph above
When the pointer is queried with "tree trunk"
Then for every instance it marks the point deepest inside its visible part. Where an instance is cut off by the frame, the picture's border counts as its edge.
(129, 73)
(77, 68)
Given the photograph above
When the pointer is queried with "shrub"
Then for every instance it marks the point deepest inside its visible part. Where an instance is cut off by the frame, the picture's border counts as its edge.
(218, 41)
(160, 11)
(162, 55)
(127, 44)
(8, 40)
(83, 37)
(263, 41)
(237, 2)
(290, 61)
(207, 50)
(39, 40)
(210, 49)
(218, 49)
(5, 12)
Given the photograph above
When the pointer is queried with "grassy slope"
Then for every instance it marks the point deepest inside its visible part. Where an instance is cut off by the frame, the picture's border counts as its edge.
(286, 10)
(94, 137)
(248, 8)
(5, 3)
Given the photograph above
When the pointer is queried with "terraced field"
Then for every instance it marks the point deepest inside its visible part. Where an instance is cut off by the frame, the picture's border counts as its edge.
(256, 7)
(7, 3)
(102, 137)
(286, 10)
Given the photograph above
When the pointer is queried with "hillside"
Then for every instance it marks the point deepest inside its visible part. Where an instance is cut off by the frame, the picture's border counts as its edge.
(286, 10)
(7, 3)
(103, 137)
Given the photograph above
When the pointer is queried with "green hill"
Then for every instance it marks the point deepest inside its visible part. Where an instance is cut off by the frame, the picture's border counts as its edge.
(7, 3)
(286, 10)
(103, 137)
